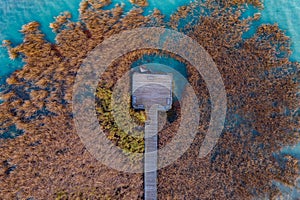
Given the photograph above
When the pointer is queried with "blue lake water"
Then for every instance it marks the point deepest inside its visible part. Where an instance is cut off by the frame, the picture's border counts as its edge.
(15, 13)
(166, 64)
(286, 13)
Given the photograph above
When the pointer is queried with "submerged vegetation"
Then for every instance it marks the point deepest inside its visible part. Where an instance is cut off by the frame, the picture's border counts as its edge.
(122, 138)
(49, 160)
(141, 3)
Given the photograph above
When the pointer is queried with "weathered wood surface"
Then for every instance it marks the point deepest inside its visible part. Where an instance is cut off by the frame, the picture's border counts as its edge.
(150, 89)
(153, 92)
(150, 160)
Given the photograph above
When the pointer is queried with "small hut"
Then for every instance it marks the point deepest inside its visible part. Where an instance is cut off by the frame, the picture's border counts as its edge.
(149, 89)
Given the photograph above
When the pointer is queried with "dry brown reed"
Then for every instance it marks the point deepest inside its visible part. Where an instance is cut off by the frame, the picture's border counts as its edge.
(53, 163)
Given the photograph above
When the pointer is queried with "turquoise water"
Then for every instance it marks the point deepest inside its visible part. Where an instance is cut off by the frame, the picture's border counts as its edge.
(176, 68)
(15, 13)
(286, 13)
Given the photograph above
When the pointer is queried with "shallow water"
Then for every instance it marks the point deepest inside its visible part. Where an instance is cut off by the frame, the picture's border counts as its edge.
(15, 13)
(155, 64)
(286, 14)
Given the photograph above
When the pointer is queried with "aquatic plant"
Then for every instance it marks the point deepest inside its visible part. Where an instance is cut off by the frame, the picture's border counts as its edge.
(259, 80)
(60, 21)
(122, 138)
(141, 3)
(244, 160)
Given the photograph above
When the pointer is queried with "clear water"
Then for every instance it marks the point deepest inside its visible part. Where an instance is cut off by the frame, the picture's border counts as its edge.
(286, 13)
(15, 13)
(176, 68)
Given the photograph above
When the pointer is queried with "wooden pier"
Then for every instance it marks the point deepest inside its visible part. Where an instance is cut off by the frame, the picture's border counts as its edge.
(150, 160)
(152, 92)
(151, 89)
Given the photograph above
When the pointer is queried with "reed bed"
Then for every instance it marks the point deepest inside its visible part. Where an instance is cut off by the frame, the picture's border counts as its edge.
(49, 161)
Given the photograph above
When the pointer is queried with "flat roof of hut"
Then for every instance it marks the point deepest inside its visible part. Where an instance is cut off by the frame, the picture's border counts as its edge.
(150, 88)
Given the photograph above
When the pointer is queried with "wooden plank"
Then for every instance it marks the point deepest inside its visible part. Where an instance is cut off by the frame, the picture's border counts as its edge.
(140, 79)
(150, 89)
(150, 160)
(152, 92)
